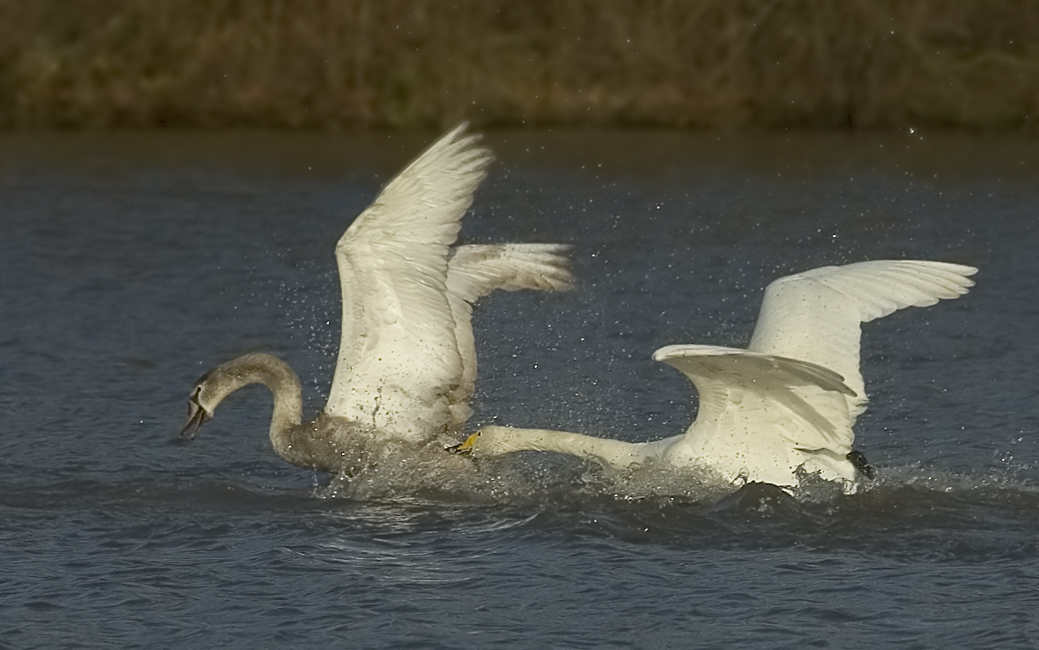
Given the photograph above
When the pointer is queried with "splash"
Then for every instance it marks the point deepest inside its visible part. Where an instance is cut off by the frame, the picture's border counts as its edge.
(533, 479)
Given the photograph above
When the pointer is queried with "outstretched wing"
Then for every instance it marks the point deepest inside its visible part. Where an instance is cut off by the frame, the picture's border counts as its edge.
(398, 357)
(815, 316)
(475, 271)
(752, 402)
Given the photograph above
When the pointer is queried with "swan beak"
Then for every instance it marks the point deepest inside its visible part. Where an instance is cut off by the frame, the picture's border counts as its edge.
(464, 447)
(197, 416)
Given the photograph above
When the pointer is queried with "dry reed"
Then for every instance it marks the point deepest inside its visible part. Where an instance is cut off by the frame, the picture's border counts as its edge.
(418, 63)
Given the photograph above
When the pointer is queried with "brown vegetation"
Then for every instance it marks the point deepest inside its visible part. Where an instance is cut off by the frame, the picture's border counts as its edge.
(671, 63)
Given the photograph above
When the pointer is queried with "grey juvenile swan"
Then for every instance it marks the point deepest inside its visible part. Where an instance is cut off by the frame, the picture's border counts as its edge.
(786, 405)
(407, 359)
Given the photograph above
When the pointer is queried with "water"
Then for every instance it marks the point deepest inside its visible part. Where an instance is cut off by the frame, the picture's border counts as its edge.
(130, 264)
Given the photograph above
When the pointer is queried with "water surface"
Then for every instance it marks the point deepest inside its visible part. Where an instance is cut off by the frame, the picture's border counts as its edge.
(130, 264)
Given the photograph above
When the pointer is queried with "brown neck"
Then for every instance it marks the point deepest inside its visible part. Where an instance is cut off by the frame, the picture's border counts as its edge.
(282, 381)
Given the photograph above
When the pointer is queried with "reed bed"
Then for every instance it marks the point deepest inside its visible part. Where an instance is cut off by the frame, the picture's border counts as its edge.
(324, 64)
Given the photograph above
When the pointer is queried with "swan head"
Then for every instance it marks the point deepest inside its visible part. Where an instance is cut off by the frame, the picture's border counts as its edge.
(465, 447)
(493, 440)
(254, 368)
(217, 384)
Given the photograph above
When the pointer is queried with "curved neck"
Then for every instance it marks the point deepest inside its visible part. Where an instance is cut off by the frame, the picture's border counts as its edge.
(284, 385)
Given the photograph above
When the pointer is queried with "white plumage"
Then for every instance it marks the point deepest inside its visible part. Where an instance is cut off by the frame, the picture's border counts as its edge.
(788, 403)
(407, 360)
(398, 356)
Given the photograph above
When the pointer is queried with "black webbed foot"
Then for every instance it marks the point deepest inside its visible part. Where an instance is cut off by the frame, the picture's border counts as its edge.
(862, 466)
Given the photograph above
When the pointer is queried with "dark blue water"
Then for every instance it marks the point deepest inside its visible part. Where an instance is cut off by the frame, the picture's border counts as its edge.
(130, 264)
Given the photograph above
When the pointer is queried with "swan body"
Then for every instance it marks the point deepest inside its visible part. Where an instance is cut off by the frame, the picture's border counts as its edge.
(784, 407)
(406, 367)
(327, 443)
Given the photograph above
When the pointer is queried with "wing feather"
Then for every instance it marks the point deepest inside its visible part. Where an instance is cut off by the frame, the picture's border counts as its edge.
(475, 271)
(815, 316)
(763, 398)
(398, 349)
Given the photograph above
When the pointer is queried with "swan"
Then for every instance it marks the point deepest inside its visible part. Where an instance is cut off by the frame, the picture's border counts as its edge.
(406, 366)
(784, 407)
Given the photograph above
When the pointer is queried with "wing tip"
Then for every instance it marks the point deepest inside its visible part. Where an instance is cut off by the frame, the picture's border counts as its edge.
(681, 350)
(942, 280)
(463, 148)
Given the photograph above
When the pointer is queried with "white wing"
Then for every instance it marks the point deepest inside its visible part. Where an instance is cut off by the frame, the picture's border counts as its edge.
(815, 316)
(398, 357)
(761, 416)
(474, 272)
(748, 389)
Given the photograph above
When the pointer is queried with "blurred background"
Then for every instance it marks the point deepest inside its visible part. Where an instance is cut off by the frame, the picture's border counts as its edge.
(331, 64)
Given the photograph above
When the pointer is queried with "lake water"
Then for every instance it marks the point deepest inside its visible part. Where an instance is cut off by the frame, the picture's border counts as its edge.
(130, 264)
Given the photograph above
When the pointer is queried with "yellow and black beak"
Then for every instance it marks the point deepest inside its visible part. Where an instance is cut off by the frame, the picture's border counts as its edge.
(464, 447)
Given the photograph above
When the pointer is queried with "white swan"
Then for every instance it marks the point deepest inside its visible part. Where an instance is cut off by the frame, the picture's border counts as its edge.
(407, 360)
(786, 405)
